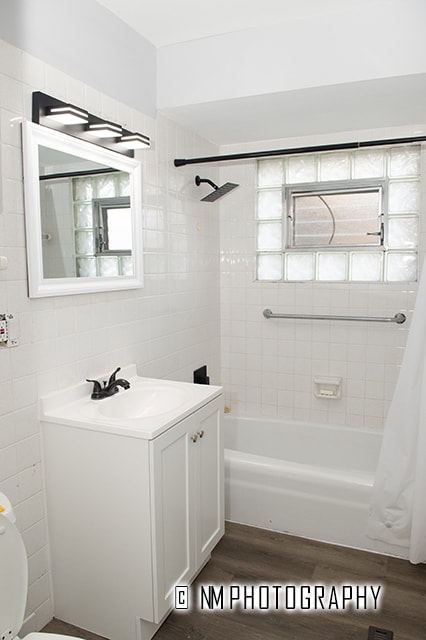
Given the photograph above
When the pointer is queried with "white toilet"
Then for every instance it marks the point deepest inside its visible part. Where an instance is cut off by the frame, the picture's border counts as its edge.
(14, 579)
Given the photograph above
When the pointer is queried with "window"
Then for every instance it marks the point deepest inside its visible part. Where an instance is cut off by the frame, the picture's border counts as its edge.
(345, 216)
(113, 226)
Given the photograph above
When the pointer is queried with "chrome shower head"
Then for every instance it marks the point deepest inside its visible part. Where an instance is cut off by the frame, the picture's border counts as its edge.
(218, 191)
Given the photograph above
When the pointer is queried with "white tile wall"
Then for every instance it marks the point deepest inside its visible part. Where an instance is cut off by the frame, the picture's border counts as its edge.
(168, 329)
(269, 366)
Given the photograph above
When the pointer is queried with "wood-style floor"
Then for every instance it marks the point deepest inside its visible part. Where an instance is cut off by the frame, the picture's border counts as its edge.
(251, 556)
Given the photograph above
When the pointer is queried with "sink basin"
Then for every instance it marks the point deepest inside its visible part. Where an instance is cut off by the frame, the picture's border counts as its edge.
(147, 409)
(143, 401)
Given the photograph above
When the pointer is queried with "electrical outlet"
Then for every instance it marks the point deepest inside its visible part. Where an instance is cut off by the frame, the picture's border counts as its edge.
(3, 329)
(8, 330)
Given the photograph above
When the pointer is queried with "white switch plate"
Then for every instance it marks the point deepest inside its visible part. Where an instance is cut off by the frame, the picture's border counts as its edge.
(3, 330)
(8, 330)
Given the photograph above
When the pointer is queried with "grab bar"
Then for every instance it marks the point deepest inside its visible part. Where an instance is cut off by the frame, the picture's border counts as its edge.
(399, 318)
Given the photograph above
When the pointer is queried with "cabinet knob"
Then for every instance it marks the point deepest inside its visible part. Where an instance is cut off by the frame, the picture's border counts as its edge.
(194, 438)
(201, 433)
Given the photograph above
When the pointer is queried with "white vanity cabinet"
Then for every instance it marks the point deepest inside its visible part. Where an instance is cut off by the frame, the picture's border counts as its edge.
(187, 501)
(130, 517)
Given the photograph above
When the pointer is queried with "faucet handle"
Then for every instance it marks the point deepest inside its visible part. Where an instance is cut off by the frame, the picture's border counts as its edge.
(97, 388)
(112, 377)
(96, 384)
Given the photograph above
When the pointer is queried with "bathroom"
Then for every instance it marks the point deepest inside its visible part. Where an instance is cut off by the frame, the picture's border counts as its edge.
(201, 303)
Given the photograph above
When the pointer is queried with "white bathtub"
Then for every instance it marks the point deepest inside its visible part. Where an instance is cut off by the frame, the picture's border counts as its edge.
(309, 480)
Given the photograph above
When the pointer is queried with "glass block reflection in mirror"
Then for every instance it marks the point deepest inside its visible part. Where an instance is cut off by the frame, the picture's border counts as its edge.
(108, 266)
(123, 184)
(83, 189)
(111, 187)
(83, 215)
(107, 187)
(126, 265)
(86, 267)
(84, 242)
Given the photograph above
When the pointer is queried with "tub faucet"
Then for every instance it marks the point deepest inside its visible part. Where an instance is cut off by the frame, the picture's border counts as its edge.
(107, 389)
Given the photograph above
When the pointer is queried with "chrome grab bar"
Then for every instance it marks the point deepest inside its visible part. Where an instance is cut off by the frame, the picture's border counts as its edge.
(398, 318)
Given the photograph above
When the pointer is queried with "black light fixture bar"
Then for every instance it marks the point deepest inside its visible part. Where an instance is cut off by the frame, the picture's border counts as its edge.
(44, 107)
(180, 162)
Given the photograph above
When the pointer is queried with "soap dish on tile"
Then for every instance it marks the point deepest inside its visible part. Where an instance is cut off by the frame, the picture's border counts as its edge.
(328, 387)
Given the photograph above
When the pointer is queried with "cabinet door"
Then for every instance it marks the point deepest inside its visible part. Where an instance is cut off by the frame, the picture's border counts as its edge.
(173, 515)
(187, 499)
(209, 526)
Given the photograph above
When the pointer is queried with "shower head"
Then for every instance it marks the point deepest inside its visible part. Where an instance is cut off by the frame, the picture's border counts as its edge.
(218, 191)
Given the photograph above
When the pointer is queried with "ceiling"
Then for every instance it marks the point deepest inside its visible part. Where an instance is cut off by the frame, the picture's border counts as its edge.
(355, 106)
(165, 22)
(385, 102)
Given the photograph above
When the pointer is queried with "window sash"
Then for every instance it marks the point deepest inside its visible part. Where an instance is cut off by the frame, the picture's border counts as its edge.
(330, 223)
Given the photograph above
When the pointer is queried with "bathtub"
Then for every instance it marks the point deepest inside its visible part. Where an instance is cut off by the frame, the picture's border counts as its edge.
(309, 480)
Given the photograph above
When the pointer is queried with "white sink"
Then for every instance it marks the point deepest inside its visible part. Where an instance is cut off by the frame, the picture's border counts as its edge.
(145, 410)
(143, 401)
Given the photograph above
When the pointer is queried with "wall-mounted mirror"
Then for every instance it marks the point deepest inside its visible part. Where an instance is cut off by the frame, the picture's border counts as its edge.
(83, 212)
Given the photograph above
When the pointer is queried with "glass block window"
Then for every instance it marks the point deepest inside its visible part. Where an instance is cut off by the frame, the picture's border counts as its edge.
(339, 216)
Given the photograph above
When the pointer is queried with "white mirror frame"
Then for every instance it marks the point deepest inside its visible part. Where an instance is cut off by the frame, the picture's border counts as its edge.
(35, 135)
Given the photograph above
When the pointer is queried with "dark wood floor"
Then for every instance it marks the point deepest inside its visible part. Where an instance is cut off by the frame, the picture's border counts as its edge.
(248, 555)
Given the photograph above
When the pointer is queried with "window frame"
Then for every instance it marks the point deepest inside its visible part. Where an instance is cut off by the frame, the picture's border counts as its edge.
(330, 188)
(101, 206)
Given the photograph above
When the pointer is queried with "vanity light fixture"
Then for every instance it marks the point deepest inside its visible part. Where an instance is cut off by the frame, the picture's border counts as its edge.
(68, 115)
(67, 118)
(103, 129)
(134, 141)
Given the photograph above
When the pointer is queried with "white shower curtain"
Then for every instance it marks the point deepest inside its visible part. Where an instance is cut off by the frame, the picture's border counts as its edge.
(398, 506)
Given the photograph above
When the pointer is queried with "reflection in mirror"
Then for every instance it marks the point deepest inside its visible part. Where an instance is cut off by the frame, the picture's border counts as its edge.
(87, 215)
(113, 228)
(78, 200)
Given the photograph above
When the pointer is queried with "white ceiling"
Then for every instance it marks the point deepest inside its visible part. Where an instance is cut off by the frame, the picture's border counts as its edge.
(356, 106)
(385, 102)
(165, 22)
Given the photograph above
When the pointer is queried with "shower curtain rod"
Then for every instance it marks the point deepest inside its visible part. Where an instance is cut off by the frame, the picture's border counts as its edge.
(180, 162)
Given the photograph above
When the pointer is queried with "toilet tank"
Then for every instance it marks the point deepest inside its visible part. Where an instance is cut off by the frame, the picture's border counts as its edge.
(13, 575)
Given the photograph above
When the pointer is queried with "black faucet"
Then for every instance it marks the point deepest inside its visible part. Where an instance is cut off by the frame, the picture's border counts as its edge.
(108, 389)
